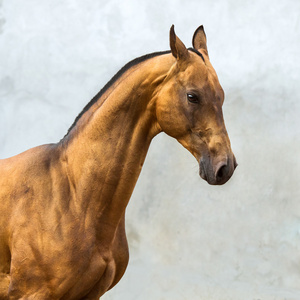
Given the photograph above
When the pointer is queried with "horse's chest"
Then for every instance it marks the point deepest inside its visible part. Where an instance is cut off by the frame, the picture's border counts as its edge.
(108, 264)
(75, 266)
(104, 271)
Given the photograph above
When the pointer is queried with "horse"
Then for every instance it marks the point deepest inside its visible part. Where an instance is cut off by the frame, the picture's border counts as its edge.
(62, 223)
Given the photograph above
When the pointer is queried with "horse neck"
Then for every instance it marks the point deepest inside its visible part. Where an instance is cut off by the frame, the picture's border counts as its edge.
(105, 151)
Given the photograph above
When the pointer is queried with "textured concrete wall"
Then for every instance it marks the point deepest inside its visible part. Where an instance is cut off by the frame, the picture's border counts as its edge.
(188, 240)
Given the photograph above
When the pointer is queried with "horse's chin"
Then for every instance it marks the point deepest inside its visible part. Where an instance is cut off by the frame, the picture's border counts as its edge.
(213, 181)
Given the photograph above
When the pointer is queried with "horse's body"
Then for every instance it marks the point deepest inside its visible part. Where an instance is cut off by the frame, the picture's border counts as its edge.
(62, 226)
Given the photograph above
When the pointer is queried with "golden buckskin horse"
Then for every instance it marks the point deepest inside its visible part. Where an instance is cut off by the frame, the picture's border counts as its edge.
(62, 223)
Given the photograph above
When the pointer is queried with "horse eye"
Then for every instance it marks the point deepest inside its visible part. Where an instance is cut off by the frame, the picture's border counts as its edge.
(192, 98)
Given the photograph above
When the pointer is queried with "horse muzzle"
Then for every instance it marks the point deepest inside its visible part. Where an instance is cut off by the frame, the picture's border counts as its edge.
(217, 171)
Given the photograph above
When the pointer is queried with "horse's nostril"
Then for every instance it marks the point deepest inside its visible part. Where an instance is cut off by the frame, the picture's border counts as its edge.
(221, 172)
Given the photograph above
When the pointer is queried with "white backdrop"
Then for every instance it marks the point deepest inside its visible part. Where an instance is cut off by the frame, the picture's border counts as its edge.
(188, 240)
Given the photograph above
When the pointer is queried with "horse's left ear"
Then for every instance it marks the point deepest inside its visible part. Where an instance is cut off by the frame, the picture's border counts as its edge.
(178, 48)
(199, 39)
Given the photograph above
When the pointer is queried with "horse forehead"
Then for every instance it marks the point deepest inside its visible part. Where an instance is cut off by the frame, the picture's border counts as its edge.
(194, 74)
(202, 76)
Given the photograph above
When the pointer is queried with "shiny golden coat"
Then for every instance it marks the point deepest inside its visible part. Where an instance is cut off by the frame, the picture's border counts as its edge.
(62, 233)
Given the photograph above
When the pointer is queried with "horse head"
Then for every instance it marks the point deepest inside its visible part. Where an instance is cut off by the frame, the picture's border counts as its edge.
(189, 108)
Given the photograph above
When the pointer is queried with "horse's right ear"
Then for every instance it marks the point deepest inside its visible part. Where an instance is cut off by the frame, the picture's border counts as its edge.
(178, 48)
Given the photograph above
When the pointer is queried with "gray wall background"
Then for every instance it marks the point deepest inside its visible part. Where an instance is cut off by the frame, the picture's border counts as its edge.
(188, 240)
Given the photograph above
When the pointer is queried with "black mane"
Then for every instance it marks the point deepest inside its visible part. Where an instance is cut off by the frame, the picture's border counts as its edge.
(197, 52)
(113, 80)
(118, 75)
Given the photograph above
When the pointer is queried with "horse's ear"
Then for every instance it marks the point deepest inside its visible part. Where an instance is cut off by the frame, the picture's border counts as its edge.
(199, 39)
(178, 48)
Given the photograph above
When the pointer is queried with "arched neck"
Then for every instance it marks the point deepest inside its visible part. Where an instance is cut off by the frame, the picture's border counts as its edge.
(105, 151)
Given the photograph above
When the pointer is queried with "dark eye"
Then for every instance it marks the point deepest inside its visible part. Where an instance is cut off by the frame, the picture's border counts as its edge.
(192, 98)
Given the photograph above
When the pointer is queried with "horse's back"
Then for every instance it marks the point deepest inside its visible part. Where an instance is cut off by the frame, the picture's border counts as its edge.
(22, 180)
